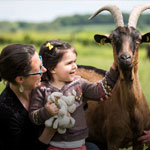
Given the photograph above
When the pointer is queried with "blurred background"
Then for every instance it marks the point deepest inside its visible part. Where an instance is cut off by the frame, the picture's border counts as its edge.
(34, 22)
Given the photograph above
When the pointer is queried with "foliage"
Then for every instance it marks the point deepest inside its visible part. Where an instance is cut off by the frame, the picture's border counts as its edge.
(76, 22)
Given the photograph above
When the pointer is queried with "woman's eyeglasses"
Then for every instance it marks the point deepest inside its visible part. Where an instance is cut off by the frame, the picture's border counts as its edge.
(36, 73)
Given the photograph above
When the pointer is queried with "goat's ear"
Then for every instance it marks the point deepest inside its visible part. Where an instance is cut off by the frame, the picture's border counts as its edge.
(146, 38)
(101, 39)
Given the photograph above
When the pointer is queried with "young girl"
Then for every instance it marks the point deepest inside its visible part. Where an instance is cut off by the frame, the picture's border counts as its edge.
(59, 58)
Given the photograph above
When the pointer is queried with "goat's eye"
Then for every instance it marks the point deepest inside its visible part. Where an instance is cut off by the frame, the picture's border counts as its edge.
(117, 41)
(113, 40)
(138, 41)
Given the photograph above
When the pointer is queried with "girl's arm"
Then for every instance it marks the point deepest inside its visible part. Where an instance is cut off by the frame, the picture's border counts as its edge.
(103, 87)
(38, 113)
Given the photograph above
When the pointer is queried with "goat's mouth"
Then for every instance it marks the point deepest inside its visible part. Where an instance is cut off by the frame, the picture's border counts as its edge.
(125, 64)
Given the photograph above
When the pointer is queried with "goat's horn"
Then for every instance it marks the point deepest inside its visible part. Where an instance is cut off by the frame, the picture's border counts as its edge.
(116, 13)
(135, 13)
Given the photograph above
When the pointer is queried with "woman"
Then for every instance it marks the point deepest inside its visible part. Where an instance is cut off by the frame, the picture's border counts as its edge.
(22, 68)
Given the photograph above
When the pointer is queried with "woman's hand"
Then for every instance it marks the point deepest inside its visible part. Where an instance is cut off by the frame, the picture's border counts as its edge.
(51, 108)
(47, 135)
(145, 138)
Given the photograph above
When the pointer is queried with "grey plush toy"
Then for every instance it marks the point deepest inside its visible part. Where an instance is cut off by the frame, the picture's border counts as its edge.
(63, 119)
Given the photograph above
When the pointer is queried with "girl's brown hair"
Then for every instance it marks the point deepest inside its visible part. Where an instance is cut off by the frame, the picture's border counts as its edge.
(52, 52)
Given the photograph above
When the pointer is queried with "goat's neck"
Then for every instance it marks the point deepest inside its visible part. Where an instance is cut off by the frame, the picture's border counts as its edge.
(129, 85)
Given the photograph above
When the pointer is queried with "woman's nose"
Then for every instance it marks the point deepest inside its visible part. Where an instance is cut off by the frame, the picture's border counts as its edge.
(44, 69)
(75, 66)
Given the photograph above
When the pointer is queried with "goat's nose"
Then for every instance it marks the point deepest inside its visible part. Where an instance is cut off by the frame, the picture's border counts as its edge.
(125, 56)
(125, 60)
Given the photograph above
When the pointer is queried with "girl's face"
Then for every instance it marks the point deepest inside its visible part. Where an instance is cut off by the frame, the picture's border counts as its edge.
(65, 69)
(32, 81)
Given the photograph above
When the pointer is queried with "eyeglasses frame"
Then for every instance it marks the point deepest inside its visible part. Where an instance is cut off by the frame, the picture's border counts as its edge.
(41, 67)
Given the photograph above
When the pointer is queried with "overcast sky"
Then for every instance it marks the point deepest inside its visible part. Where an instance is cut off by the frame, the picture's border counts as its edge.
(48, 10)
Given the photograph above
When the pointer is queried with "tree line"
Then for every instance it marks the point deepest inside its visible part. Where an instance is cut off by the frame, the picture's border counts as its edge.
(75, 20)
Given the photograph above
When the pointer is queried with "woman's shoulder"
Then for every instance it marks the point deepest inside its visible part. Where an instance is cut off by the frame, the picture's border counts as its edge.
(12, 112)
(9, 103)
(7, 108)
(6, 99)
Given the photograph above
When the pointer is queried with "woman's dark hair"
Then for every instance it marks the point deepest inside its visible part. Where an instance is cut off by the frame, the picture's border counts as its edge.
(15, 60)
(52, 52)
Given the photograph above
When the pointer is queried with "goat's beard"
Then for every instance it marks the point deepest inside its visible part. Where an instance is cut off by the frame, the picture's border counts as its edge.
(126, 74)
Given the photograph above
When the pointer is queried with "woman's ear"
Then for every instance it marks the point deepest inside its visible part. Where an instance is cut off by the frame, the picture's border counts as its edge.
(19, 79)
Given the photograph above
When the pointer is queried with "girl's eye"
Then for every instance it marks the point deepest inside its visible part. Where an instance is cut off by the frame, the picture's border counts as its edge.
(70, 62)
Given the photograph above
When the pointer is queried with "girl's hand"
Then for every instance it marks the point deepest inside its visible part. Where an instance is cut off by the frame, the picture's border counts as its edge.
(51, 108)
(145, 138)
(106, 97)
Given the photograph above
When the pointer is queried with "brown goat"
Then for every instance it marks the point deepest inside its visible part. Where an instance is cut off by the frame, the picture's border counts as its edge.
(120, 120)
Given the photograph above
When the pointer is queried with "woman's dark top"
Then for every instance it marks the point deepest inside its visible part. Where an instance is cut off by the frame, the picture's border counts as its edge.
(17, 132)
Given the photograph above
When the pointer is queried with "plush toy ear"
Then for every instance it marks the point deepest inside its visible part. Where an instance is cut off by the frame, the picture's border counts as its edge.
(101, 39)
(146, 38)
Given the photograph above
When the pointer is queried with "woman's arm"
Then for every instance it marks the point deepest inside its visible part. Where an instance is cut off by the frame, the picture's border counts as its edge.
(47, 135)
